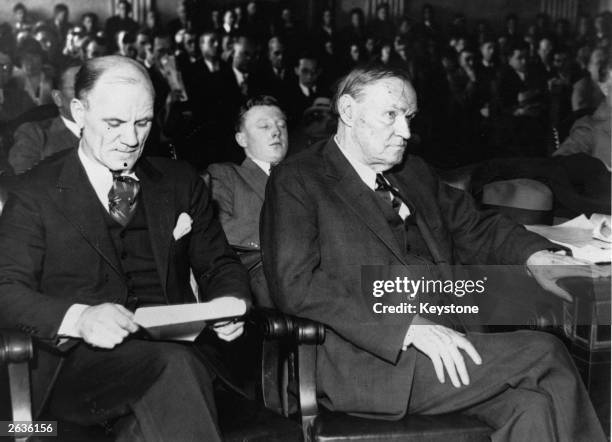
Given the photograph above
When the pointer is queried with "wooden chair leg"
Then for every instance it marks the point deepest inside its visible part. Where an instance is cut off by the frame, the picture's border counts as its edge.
(21, 402)
(307, 360)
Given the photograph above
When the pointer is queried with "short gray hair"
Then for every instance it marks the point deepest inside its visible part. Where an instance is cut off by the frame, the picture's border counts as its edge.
(355, 81)
(93, 69)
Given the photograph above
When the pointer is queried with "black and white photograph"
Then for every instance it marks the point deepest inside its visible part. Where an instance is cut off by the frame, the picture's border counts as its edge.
(305, 220)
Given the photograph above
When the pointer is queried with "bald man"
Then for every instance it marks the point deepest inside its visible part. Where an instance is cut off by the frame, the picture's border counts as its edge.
(96, 232)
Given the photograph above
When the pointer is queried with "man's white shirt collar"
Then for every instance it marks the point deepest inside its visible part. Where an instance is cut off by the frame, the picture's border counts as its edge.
(263, 165)
(239, 76)
(368, 175)
(212, 67)
(306, 91)
(100, 177)
(72, 126)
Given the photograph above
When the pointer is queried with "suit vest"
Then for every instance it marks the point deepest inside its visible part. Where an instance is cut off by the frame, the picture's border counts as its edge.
(133, 248)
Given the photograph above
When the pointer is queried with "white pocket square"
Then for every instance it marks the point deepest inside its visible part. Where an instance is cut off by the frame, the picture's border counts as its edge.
(183, 226)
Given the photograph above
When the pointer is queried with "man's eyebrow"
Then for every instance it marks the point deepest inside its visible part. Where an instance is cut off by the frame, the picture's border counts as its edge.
(403, 110)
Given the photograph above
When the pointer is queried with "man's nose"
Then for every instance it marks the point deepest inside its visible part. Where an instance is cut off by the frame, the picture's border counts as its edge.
(402, 127)
(129, 137)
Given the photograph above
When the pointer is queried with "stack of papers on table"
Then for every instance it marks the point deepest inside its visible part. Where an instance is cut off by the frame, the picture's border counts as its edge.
(184, 322)
(588, 239)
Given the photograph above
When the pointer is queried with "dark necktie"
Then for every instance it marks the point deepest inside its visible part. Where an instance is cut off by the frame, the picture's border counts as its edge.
(122, 198)
(386, 192)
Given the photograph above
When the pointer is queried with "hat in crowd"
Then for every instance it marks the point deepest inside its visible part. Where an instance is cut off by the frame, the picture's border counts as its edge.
(523, 200)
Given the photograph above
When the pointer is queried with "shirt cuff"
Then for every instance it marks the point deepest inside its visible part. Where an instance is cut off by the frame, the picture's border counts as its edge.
(68, 325)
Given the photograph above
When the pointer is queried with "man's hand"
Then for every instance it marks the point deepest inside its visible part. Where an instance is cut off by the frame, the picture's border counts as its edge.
(105, 325)
(441, 344)
(547, 268)
(229, 330)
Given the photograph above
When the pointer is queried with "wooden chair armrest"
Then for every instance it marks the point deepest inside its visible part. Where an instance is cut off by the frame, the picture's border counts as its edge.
(15, 347)
(274, 325)
(289, 362)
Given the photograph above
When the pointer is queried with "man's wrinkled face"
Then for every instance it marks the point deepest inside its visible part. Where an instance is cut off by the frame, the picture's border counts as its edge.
(116, 118)
(380, 122)
(264, 134)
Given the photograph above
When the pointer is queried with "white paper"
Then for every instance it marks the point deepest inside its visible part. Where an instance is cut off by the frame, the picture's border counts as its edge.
(184, 322)
(578, 235)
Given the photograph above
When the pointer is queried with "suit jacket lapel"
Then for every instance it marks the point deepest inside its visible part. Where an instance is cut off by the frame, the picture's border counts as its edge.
(415, 192)
(254, 177)
(77, 200)
(360, 198)
(159, 204)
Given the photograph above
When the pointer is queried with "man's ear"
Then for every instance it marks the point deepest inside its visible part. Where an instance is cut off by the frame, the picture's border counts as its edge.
(241, 139)
(57, 97)
(346, 109)
(77, 109)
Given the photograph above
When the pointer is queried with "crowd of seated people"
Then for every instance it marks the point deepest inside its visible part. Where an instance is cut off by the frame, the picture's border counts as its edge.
(483, 92)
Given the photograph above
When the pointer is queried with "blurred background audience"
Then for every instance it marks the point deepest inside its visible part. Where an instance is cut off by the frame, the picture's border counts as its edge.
(486, 90)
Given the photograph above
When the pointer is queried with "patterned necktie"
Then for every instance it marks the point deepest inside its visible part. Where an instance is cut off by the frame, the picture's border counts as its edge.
(122, 198)
(385, 190)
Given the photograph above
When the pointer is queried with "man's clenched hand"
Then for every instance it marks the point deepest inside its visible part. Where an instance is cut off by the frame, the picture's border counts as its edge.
(105, 325)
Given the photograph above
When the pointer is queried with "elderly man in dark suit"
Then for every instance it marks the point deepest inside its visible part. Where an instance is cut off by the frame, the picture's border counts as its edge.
(238, 190)
(91, 235)
(354, 201)
(37, 140)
